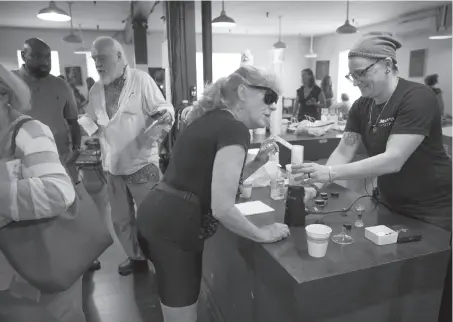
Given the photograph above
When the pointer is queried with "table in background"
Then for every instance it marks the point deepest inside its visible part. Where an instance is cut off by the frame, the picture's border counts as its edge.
(315, 148)
(249, 282)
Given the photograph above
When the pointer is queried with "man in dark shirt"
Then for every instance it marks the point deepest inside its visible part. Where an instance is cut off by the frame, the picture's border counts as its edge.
(52, 101)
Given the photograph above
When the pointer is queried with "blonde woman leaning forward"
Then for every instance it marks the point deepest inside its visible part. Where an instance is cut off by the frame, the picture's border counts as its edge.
(198, 189)
(46, 192)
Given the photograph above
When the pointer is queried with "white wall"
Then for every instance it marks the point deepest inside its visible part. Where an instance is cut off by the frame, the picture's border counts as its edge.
(439, 57)
(12, 39)
(261, 48)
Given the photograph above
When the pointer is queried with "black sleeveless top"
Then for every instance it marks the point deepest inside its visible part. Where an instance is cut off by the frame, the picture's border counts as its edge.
(305, 109)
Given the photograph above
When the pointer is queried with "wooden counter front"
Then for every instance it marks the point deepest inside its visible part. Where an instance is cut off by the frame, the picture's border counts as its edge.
(246, 281)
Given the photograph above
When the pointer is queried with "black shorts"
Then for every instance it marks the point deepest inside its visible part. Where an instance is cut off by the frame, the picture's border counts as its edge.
(168, 234)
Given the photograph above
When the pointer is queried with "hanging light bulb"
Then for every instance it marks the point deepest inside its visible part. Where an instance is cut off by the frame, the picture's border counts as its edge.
(280, 44)
(442, 32)
(223, 20)
(53, 13)
(311, 54)
(347, 28)
(72, 37)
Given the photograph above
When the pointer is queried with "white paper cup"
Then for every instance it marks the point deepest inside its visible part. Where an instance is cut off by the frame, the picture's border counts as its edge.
(318, 239)
(297, 154)
(246, 190)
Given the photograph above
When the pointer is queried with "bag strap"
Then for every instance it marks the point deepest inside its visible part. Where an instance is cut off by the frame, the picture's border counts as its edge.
(16, 129)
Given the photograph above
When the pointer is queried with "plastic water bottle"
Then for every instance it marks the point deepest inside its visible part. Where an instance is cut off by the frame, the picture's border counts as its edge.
(278, 187)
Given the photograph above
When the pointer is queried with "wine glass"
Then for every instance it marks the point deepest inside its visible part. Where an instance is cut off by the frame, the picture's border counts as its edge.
(343, 238)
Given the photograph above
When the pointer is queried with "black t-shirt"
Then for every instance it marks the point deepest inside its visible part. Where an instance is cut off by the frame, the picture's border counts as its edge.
(305, 109)
(422, 188)
(192, 157)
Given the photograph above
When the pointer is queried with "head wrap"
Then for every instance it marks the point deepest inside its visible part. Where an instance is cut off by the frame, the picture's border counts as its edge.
(376, 45)
(20, 97)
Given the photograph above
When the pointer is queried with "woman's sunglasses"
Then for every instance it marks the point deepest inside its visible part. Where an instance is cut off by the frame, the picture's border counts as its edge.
(270, 96)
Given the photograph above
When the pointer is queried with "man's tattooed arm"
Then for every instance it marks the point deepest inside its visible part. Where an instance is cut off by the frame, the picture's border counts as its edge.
(351, 139)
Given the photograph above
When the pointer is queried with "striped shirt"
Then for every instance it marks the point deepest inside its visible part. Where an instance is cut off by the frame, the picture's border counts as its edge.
(42, 190)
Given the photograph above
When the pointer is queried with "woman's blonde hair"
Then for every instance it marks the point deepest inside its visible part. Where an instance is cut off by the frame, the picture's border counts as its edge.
(18, 91)
(223, 94)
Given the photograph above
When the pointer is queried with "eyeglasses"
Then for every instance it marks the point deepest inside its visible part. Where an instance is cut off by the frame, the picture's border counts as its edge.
(270, 96)
(360, 73)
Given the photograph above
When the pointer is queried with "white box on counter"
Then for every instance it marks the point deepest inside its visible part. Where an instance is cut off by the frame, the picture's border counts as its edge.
(381, 235)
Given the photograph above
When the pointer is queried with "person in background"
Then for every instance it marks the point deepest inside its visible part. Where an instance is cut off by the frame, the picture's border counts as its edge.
(309, 99)
(80, 99)
(90, 82)
(129, 130)
(198, 190)
(52, 102)
(432, 81)
(343, 106)
(326, 86)
(399, 123)
(46, 192)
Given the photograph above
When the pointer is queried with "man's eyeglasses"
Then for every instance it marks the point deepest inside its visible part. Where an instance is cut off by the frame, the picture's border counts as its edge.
(360, 73)
(270, 96)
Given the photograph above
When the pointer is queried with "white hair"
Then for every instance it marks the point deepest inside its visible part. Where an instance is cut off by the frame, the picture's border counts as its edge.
(116, 45)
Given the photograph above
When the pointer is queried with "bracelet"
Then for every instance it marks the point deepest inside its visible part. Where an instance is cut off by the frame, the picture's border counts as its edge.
(330, 174)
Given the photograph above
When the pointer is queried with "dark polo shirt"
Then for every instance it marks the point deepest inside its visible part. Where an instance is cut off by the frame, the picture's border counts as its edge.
(52, 103)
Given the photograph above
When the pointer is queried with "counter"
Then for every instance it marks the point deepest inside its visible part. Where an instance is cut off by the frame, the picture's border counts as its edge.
(315, 148)
(246, 282)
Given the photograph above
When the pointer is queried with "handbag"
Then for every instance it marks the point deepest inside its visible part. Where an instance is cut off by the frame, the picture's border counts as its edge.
(52, 253)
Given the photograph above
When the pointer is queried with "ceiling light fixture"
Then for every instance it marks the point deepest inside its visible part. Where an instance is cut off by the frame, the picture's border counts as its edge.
(442, 32)
(311, 54)
(347, 28)
(223, 20)
(280, 44)
(53, 13)
(72, 37)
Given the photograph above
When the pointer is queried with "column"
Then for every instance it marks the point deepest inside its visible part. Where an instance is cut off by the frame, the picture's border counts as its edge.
(180, 20)
(206, 24)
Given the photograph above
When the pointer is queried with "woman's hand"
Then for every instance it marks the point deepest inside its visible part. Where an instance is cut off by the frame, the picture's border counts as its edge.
(273, 233)
(267, 147)
(314, 172)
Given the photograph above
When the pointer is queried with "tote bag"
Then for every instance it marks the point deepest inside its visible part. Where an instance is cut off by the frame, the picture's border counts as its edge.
(51, 254)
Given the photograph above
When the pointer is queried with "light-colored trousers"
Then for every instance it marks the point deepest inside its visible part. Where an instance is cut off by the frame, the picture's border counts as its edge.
(124, 198)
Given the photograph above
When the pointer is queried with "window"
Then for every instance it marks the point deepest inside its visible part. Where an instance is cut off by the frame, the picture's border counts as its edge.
(345, 86)
(55, 68)
(91, 68)
(223, 64)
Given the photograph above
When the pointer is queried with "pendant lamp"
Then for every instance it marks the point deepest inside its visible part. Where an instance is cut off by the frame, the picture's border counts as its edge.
(53, 13)
(72, 37)
(442, 31)
(223, 20)
(347, 28)
(311, 54)
(279, 44)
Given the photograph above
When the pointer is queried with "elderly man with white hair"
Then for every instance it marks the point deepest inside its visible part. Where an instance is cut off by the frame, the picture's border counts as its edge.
(130, 116)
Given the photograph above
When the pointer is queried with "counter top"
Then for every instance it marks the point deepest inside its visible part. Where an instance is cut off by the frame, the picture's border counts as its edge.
(292, 253)
(251, 282)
